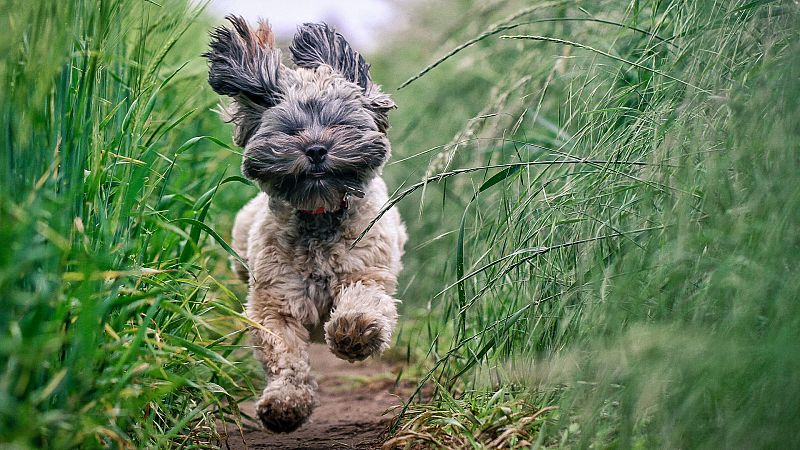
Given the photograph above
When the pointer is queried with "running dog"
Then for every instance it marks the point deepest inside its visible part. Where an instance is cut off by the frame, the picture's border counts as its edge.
(314, 140)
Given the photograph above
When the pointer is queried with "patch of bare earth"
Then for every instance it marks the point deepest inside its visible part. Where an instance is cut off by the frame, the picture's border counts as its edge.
(357, 403)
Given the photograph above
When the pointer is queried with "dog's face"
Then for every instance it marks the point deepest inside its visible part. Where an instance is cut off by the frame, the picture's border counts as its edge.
(319, 143)
(311, 134)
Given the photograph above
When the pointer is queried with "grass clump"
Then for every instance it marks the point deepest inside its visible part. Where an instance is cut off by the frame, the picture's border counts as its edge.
(114, 330)
(638, 284)
(497, 419)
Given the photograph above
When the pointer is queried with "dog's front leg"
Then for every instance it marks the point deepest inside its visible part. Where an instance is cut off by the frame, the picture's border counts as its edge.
(362, 321)
(282, 346)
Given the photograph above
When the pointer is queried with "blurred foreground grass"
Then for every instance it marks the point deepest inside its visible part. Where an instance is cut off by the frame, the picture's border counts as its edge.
(605, 252)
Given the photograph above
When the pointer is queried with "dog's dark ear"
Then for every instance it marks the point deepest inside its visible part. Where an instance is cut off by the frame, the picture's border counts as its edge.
(244, 62)
(317, 43)
(244, 65)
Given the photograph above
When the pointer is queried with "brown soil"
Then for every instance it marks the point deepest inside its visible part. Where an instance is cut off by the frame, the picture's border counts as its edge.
(357, 403)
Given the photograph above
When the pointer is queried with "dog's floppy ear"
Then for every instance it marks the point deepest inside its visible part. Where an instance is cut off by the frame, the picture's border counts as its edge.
(317, 43)
(244, 65)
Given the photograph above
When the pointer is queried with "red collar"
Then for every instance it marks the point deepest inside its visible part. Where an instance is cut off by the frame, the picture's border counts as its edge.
(322, 210)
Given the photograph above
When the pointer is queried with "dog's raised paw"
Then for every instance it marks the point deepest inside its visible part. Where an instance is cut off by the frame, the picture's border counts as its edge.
(356, 336)
(284, 410)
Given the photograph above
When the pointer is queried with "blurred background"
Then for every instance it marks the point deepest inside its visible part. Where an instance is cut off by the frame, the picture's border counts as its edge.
(364, 22)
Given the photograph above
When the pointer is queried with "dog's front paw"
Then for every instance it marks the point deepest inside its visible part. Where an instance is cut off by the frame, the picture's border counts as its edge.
(282, 408)
(356, 336)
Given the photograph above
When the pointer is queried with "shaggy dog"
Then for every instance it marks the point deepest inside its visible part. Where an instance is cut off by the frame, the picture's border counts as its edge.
(314, 139)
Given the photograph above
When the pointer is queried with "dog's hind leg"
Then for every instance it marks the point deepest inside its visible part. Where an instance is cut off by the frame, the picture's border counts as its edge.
(282, 346)
(362, 321)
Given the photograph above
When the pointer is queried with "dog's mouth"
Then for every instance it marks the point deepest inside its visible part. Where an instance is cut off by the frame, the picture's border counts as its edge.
(317, 171)
(316, 187)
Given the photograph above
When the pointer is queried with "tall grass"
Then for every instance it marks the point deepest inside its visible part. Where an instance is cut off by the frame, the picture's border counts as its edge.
(607, 224)
(114, 330)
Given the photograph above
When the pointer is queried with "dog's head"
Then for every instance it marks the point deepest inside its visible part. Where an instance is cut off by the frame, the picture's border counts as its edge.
(311, 134)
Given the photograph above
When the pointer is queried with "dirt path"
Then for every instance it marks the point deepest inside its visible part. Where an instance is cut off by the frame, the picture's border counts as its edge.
(353, 400)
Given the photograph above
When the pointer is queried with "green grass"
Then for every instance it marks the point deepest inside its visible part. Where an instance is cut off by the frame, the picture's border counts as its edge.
(118, 322)
(642, 288)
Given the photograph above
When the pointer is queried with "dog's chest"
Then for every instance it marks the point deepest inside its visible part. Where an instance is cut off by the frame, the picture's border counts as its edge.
(319, 277)
(316, 247)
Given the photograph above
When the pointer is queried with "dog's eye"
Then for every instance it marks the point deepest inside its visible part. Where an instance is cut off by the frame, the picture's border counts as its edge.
(295, 131)
(364, 128)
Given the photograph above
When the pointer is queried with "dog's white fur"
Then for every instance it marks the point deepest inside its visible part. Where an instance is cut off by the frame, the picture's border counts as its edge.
(300, 287)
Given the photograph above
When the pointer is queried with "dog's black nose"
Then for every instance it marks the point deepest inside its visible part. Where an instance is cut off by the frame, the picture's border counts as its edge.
(316, 153)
